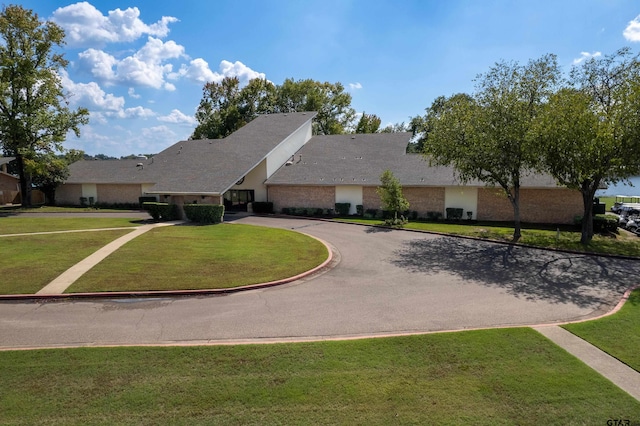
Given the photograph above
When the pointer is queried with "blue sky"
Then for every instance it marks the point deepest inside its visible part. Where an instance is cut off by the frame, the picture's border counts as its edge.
(139, 66)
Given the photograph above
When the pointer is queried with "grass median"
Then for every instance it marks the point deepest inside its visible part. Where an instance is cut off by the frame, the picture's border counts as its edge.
(512, 376)
(204, 257)
(28, 263)
(564, 237)
(618, 334)
(20, 224)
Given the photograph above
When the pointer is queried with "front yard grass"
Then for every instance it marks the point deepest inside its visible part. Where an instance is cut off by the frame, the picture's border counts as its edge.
(28, 263)
(203, 257)
(568, 239)
(21, 224)
(510, 376)
(618, 334)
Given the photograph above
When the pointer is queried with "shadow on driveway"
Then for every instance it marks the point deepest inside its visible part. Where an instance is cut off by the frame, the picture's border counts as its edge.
(534, 274)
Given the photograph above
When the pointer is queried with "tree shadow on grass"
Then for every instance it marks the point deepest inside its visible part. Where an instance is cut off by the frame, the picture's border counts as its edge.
(534, 274)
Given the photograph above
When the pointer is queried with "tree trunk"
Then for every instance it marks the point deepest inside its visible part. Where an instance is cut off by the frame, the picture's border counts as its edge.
(588, 190)
(25, 182)
(515, 202)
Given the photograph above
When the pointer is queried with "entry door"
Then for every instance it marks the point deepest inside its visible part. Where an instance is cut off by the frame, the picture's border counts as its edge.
(237, 199)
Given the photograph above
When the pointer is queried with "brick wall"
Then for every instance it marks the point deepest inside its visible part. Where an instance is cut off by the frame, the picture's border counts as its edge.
(118, 193)
(422, 200)
(69, 194)
(302, 196)
(536, 205)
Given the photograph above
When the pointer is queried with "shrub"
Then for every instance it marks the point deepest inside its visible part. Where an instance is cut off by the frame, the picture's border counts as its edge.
(204, 213)
(286, 210)
(343, 209)
(359, 209)
(263, 207)
(162, 211)
(142, 200)
(602, 223)
(434, 216)
(454, 213)
(396, 222)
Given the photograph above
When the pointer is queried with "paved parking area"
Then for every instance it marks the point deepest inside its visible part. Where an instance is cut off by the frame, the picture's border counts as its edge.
(383, 282)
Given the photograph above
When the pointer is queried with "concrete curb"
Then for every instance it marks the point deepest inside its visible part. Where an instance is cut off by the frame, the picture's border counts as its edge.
(161, 293)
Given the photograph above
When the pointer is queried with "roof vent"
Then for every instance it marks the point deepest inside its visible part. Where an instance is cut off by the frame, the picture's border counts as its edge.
(353, 137)
(140, 165)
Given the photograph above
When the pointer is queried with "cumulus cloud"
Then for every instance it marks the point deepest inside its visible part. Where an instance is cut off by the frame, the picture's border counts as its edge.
(86, 25)
(132, 93)
(90, 95)
(198, 70)
(355, 86)
(135, 112)
(178, 117)
(632, 32)
(147, 67)
(586, 55)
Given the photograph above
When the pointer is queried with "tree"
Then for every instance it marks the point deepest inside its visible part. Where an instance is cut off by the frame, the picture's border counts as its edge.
(588, 132)
(34, 117)
(49, 170)
(390, 192)
(225, 107)
(487, 136)
(368, 123)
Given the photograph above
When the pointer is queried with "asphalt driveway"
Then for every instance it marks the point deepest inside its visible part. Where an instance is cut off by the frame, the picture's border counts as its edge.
(383, 282)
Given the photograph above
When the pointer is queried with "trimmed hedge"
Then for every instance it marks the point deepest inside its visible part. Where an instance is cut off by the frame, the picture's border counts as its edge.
(162, 211)
(204, 213)
(342, 209)
(454, 213)
(262, 207)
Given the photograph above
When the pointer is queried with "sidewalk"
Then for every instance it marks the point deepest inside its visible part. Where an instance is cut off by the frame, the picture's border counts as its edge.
(68, 277)
(617, 372)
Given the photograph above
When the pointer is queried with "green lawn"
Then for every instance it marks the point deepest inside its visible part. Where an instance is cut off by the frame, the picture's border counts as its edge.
(28, 263)
(21, 224)
(567, 239)
(58, 209)
(618, 334)
(201, 257)
(512, 376)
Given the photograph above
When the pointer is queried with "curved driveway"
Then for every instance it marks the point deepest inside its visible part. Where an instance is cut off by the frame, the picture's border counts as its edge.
(383, 282)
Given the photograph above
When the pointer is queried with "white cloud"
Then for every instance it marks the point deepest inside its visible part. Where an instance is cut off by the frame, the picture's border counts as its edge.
(135, 112)
(132, 93)
(586, 55)
(355, 86)
(198, 70)
(632, 32)
(86, 25)
(90, 95)
(147, 67)
(176, 116)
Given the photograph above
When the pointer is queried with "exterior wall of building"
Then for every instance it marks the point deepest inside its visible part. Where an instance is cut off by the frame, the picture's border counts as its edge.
(255, 180)
(117, 193)
(302, 196)
(9, 189)
(69, 194)
(287, 148)
(461, 197)
(425, 199)
(349, 194)
(536, 205)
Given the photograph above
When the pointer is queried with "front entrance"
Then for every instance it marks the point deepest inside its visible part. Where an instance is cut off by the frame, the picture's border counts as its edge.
(236, 200)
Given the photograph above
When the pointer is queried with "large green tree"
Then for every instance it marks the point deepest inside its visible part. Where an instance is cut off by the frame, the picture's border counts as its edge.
(486, 136)
(589, 132)
(49, 170)
(225, 106)
(34, 116)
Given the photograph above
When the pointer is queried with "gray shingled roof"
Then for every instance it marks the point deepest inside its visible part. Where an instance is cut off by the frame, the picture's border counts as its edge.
(360, 160)
(198, 166)
(6, 160)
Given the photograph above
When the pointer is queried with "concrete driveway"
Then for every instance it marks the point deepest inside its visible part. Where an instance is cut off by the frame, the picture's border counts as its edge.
(383, 282)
